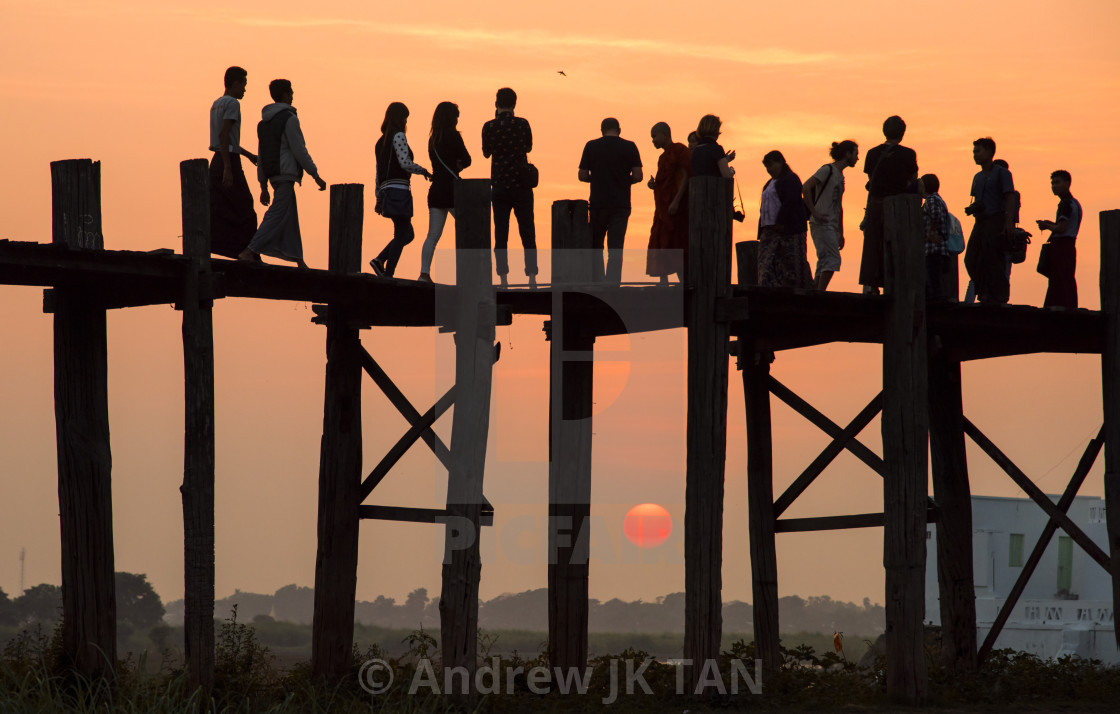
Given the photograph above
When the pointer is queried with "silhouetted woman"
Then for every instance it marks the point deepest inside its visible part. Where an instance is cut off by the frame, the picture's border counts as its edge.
(708, 157)
(394, 196)
(449, 156)
(782, 247)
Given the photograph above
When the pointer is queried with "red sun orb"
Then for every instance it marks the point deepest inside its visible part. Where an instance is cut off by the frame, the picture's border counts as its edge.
(647, 525)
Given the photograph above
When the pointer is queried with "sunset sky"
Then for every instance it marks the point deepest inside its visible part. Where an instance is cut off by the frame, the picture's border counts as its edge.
(131, 83)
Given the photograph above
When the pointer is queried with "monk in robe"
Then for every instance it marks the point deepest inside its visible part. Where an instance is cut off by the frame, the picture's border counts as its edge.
(668, 238)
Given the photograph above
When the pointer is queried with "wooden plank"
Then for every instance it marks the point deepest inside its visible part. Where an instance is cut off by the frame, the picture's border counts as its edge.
(474, 349)
(198, 448)
(571, 377)
(408, 514)
(340, 459)
(761, 512)
(1083, 466)
(819, 420)
(832, 523)
(1110, 391)
(709, 275)
(81, 408)
(954, 501)
(905, 443)
(1041, 499)
(838, 444)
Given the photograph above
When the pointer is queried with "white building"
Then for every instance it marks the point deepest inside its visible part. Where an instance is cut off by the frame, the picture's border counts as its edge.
(1066, 608)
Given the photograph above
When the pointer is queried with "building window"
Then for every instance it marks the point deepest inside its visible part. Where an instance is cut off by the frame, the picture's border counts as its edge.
(1065, 563)
(1015, 551)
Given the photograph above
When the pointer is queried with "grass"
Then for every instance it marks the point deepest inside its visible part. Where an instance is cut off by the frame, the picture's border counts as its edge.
(249, 677)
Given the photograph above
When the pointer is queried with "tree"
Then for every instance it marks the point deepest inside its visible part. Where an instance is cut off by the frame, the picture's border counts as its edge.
(42, 603)
(293, 603)
(138, 605)
(8, 614)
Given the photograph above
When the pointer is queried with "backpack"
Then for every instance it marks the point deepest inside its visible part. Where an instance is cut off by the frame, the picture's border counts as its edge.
(954, 242)
(269, 135)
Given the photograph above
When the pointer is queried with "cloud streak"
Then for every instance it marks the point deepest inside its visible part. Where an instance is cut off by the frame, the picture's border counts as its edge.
(538, 40)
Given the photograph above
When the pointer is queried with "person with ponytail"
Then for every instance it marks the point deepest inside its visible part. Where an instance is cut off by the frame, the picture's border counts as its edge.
(394, 194)
(449, 156)
(823, 194)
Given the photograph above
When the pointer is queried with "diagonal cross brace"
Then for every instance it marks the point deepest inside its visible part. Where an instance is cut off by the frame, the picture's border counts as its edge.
(1083, 466)
(420, 424)
(840, 441)
(382, 380)
(828, 426)
(1038, 496)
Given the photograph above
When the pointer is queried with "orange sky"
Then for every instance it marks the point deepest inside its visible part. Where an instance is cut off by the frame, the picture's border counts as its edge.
(130, 84)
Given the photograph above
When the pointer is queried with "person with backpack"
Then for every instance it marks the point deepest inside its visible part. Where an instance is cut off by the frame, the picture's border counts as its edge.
(824, 193)
(449, 156)
(394, 192)
(282, 160)
(995, 208)
(935, 219)
(892, 169)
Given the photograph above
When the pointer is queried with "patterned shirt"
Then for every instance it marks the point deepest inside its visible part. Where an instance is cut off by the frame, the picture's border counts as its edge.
(935, 216)
(506, 140)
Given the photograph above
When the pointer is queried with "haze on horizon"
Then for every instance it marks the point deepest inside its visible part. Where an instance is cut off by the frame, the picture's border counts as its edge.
(130, 84)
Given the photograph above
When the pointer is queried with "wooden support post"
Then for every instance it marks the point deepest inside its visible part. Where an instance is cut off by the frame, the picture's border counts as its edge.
(746, 262)
(474, 359)
(571, 376)
(340, 457)
(1110, 388)
(760, 511)
(198, 448)
(709, 278)
(81, 410)
(905, 442)
(954, 503)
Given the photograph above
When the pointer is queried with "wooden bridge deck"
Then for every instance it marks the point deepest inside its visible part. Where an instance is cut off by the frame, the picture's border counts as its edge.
(774, 319)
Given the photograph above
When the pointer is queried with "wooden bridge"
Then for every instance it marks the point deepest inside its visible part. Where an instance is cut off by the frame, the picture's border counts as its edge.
(920, 402)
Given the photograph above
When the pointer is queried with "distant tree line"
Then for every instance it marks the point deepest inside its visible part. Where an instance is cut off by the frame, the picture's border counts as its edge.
(139, 608)
(529, 611)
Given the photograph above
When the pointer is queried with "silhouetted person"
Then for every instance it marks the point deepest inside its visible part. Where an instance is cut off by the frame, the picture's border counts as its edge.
(708, 157)
(935, 220)
(823, 194)
(891, 169)
(1062, 268)
(448, 155)
(994, 208)
(282, 162)
(668, 237)
(232, 218)
(506, 140)
(610, 164)
(782, 246)
(395, 168)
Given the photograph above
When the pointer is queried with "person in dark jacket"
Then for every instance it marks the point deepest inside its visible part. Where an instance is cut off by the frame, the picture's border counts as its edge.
(394, 194)
(449, 156)
(782, 252)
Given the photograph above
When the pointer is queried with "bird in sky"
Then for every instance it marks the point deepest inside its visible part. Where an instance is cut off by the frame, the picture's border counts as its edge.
(561, 72)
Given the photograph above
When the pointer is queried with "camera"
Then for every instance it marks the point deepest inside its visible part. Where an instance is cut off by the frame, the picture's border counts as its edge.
(970, 209)
(739, 216)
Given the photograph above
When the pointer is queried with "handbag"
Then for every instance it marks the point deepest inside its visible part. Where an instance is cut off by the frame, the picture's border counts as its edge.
(394, 202)
(530, 176)
(1044, 266)
(1019, 240)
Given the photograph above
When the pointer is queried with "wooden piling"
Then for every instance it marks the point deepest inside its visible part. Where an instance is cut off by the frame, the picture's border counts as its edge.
(340, 457)
(746, 262)
(89, 610)
(198, 422)
(474, 359)
(571, 376)
(709, 278)
(954, 504)
(1110, 388)
(905, 441)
